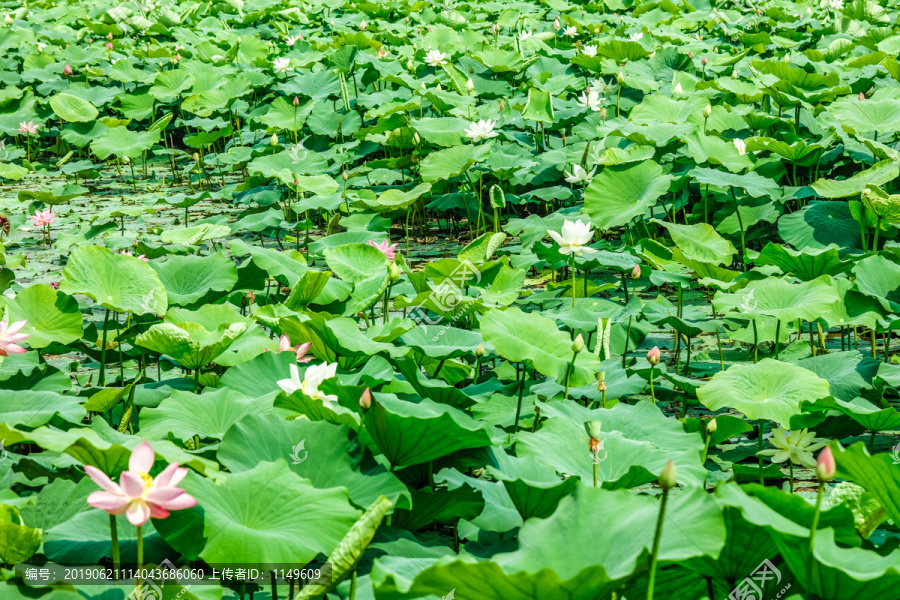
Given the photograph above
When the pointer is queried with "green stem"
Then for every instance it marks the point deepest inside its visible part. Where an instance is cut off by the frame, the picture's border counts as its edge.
(352, 594)
(719, 344)
(519, 403)
(114, 536)
(656, 538)
(595, 473)
(777, 335)
(102, 379)
(755, 343)
(815, 523)
(407, 234)
(759, 446)
(627, 339)
(705, 449)
(573, 280)
(652, 391)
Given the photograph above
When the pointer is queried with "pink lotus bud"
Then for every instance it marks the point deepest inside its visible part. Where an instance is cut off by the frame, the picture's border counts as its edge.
(67, 70)
(365, 401)
(703, 61)
(825, 467)
(690, 54)
(344, 175)
(636, 272)
(109, 45)
(862, 96)
(669, 477)
(653, 356)
(296, 101)
(90, 40)
(109, 35)
(556, 24)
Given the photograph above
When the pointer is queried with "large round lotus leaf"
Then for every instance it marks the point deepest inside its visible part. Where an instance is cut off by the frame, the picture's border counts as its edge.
(267, 515)
(123, 142)
(879, 277)
(877, 174)
(701, 242)
(519, 336)
(619, 194)
(806, 264)
(189, 278)
(882, 116)
(820, 224)
(356, 262)
(781, 299)
(319, 451)
(72, 108)
(118, 282)
(769, 389)
(190, 344)
(185, 415)
(51, 316)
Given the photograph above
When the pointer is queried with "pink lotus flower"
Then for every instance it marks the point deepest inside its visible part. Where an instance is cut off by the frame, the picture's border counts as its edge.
(137, 494)
(389, 251)
(10, 335)
(28, 128)
(382, 52)
(43, 217)
(141, 257)
(284, 345)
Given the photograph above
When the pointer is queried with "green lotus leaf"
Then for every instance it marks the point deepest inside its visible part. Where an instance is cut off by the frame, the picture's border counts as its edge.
(51, 316)
(769, 389)
(193, 236)
(806, 264)
(878, 174)
(619, 194)
(701, 242)
(190, 278)
(123, 143)
(117, 282)
(72, 108)
(356, 262)
(184, 415)
(189, 344)
(877, 473)
(291, 522)
(781, 299)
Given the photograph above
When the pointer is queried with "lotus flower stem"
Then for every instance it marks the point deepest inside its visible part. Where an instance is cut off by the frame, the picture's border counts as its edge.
(759, 446)
(519, 403)
(352, 594)
(737, 211)
(625, 286)
(627, 339)
(873, 343)
(573, 280)
(407, 233)
(815, 522)
(102, 378)
(656, 537)
(652, 391)
(719, 344)
(791, 472)
(777, 335)
(114, 537)
(755, 343)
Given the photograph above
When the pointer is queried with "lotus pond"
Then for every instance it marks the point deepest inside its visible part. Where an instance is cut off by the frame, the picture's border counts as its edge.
(481, 300)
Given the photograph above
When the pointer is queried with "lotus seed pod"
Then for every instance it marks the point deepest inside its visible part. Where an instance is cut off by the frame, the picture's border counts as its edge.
(196, 157)
(669, 477)
(595, 445)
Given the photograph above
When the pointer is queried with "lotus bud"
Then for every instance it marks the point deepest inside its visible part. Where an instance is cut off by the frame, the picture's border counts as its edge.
(669, 477)
(90, 40)
(678, 89)
(67, 70)
(416, 138)
(296, 101)
(690, 54)
(109, 36)
(126, 160)
(409, 65)
(703, 61)
(501, 104)
(556, 24)
(274, 140)
(825, 467)
(596, 31)
(653, 356)
(495, 29)
(470, 85)
(620, 78)
(109, 45)
(603, 113)
(787, 59)
(578, 344)
(407, 19)
(8, 19)
(711, 426)
(479, 351)
(394, 273)
(862, 96)
(439, 88)
(365, 400)
(636, 272)
(362, 25)
(344, 175)
(177, 57)
(196, 157)
(707, 112)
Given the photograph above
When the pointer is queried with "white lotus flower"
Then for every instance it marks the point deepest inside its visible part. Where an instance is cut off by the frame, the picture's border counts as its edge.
(481, 130)
(314, 377)
(573, 238)
(836, 4)
(590, 50)
(525, 35)
(579, 175)
(590, 101)
(282, 63)
(741, 146)
(435, 58)
(41, 47)
(678, 91)
(571, 31)
(636, 36)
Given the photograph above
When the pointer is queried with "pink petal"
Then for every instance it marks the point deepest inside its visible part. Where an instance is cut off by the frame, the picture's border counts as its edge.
(111, 503)
(170, 477)
(180, 503)
(142, 458)
(158, 512)
(284, 343)
(100, 478)
(162, 495)
(132, 484)
(15, 328)
(138, 512)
